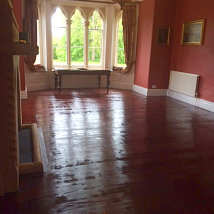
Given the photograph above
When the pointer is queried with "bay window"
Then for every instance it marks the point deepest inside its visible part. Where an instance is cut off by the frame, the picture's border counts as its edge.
(77, 42)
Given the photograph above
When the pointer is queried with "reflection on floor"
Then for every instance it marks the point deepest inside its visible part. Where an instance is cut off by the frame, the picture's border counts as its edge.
(118, 153)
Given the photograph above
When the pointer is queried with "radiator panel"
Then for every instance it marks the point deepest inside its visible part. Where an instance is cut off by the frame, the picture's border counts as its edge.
(184, 83)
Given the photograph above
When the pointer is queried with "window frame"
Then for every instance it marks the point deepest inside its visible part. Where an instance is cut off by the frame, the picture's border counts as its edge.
(84, 35)
(86, 38)
(66, 32)
(102, 42)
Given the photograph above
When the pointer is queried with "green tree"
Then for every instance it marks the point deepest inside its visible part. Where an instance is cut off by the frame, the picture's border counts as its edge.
(120, 45)
(95, 37)
(77, 37)
(59, 49)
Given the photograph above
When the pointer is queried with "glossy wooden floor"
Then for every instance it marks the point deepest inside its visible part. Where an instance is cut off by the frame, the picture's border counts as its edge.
(118, 153)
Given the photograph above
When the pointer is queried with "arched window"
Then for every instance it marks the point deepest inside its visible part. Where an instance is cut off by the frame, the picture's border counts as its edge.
(77, 39)
(119, 56)
(59, 41)
(95, 38)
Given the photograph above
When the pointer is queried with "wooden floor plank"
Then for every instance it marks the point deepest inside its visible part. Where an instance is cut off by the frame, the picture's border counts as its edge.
(118, 153)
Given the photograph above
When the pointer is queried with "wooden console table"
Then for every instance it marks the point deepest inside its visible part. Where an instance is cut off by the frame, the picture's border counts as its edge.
(59, 72)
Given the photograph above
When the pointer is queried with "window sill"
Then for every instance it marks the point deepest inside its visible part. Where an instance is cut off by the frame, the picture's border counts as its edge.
(78, 66)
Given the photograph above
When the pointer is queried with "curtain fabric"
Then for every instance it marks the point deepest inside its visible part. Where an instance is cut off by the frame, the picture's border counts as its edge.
(129, 34)
(30, 26)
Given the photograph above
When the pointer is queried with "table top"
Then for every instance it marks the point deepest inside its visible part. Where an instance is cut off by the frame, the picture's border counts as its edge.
(81, 71)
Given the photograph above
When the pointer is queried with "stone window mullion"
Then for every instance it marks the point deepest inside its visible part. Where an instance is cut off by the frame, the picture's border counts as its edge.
(68, 21)
(86, 43)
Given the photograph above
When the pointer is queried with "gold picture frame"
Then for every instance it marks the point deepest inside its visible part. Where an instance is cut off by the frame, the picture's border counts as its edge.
(163, 36)
(193, 32)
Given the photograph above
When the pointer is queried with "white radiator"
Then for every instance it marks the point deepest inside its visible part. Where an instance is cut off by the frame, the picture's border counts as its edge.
(184, 83)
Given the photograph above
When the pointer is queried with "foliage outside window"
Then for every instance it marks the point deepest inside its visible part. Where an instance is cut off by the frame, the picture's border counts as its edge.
(120, 56)
(95, 38)
(77, 38)
(59, 41)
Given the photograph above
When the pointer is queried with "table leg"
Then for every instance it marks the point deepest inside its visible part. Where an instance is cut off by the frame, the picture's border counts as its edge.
(56, 81)
(60, 82)
(99, 80)
(108, 82)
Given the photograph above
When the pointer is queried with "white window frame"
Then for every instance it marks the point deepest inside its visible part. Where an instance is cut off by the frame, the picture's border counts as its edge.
(102, 43)
(67, 38)
(86, 38)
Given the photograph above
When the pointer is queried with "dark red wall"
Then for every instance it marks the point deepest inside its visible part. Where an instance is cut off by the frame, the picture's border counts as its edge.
(153, 60)
(196, 59)
(144, 42)
(161, 54)
(17, 9)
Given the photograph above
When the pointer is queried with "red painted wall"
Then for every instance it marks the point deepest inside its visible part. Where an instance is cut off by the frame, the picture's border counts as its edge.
(144, 42)
(17, 9)
(153, 60)
(196, 59)
(161, 54)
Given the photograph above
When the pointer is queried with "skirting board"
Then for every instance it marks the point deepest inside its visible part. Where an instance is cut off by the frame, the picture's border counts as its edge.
(140, 90)
(192, 100)
(176, 95)
(23, 95)
(37, 86)
(157, 92)
(121, 85)
(150, 92)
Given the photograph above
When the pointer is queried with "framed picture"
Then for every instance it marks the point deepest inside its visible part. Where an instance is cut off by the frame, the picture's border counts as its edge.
(163, 36)
(193, 32)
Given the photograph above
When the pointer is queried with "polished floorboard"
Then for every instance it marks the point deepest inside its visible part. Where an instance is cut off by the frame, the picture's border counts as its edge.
(118, 153)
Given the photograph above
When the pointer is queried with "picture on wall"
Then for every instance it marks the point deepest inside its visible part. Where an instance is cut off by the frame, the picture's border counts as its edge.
(163, 36)
(193, 32)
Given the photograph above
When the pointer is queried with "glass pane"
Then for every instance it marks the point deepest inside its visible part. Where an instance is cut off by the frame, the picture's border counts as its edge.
(38, 43)
(77, 38)
(94, 55)
(120, 26)
(77, 55)
(95, 38)
(95, 46)
(120, 45)
(95, 21)
(121, 57)
(58, 19)
(59, 43)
